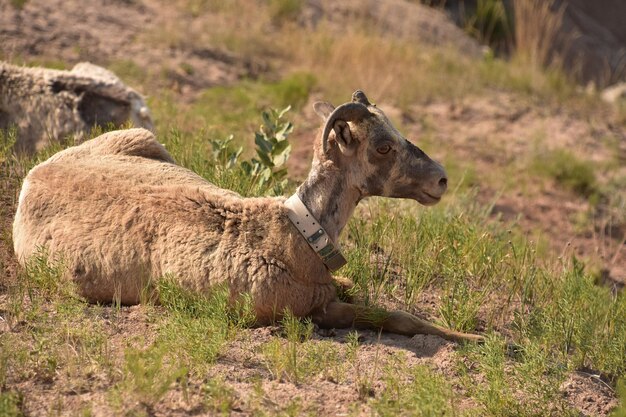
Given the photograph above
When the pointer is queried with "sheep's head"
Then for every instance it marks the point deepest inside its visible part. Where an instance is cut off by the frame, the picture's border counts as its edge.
(375, 158)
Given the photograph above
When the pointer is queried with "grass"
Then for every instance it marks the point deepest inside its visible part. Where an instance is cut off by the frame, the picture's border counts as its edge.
(531, 373)
(199, 326)
(466, 260)
(296, 54)
(446, 247)
(491, 23)
(220, 112)
(148, 375)
(423, 394)
(485, 277)
(537, 29)
(287, 359)
(10, 404)
(127, 70)
(282, 11)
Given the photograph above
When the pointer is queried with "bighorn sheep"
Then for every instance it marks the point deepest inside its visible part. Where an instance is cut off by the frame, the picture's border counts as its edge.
(120, 211)
(47, 104)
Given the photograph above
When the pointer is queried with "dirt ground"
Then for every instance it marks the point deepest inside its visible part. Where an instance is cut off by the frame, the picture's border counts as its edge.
(499, 132)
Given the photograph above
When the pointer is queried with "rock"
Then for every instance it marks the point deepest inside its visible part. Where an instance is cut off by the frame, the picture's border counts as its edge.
(48, 105)
(593, 40)
(614, 93)
(396, 18)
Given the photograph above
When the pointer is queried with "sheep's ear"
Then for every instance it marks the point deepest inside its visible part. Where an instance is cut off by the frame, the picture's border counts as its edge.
(343, 136)
(323, 109)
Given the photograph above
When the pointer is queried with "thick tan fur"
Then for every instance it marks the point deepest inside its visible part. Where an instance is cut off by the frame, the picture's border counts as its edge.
(121, 212)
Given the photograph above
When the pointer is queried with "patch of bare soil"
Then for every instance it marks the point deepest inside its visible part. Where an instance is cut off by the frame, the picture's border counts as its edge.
(589, 394)
(241, 368)
(106, 31)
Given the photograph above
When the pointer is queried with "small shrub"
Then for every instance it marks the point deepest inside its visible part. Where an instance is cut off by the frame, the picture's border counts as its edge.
(426, 394)
(18, 4)
(569, 171)
(273, 149)
(149, 375)
(282, 11)
(11, 404)
(265, 174)
(218, 396)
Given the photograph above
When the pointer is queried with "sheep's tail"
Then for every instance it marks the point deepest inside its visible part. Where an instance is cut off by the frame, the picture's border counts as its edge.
(343, 315)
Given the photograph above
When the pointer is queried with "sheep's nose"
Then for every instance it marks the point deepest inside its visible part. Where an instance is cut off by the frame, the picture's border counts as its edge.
(443, 183)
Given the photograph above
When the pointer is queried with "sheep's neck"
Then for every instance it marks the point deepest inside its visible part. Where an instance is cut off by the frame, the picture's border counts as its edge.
(329, 198)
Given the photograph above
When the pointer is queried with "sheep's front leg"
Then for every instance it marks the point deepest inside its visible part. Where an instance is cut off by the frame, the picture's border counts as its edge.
(343, 315)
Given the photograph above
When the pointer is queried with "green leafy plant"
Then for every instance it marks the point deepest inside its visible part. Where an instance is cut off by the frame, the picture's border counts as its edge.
(224, 155)
(273, 149)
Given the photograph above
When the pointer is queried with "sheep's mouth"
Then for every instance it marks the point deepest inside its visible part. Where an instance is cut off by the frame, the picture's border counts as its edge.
(428, 199)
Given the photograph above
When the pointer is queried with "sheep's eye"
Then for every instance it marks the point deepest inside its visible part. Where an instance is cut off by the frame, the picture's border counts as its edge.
(383, 149)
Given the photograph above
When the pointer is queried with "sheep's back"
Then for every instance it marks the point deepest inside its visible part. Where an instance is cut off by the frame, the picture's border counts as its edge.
(121, 220)
(111, 218)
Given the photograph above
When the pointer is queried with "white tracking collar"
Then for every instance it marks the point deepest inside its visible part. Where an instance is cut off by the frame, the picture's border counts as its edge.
(314, 233)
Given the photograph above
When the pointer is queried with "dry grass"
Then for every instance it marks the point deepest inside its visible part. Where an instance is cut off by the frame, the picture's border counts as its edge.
(537, 27)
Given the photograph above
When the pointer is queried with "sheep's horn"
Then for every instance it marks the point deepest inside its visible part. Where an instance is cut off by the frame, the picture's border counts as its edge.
(349, 112)
(359, 97)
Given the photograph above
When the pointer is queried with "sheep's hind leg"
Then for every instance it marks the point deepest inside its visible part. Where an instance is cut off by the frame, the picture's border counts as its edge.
(343, 315)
